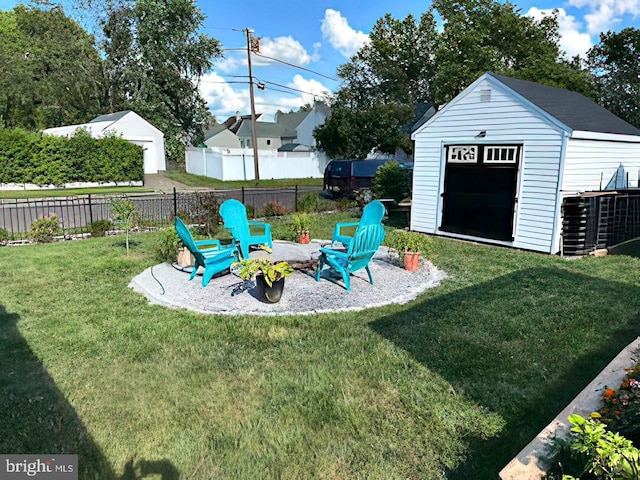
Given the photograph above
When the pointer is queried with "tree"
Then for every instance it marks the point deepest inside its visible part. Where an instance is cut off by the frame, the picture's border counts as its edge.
(408, 63)
(50, 71)
(615, 63)
(155, 58)
(125, 215)
(352, 133)
(383, 82)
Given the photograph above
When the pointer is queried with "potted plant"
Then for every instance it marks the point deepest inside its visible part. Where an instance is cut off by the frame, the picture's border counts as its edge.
(301, 223)
(409, 245)
(269, 276)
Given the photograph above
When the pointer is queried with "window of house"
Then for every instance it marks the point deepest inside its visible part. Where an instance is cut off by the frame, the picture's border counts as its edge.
(501, 154)
(462, 154)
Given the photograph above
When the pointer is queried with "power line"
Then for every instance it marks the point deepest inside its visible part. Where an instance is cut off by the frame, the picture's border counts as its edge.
(261, 82)
(220, 28)
(291, 88)
(296, 66)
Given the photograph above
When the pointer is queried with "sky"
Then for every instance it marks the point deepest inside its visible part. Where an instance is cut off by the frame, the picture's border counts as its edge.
(320, 35)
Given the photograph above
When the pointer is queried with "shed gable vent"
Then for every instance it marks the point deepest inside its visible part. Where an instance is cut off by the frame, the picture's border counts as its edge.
(485, 95)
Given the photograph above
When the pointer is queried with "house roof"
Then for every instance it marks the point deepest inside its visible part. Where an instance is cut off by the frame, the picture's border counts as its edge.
(233, 123)
(291, 120)
(110, 117)
(266, 130)
(215, 130)
(572, 109)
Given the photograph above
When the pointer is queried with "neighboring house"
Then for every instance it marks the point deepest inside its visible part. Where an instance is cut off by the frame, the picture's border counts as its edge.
(289, 128)
(269, 135)
(220, 136)
(496, 162)
(304, 123)
(130, 126)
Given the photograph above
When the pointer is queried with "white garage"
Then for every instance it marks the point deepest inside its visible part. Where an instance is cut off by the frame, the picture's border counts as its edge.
(131, 127)
(495, 164)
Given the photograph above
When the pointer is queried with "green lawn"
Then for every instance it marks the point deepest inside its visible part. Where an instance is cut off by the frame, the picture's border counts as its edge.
(68, 192)
(200, 181)
(454, 383)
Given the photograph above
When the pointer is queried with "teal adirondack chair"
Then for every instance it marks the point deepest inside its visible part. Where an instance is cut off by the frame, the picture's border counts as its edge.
(362, 247)
(234, 215)
(372, 214)
(209, 254)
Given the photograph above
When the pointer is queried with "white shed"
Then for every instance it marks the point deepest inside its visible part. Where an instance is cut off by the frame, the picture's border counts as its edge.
(495, 163)
(131, 127)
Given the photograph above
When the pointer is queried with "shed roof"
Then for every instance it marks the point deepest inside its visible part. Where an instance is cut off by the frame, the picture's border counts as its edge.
(571, 108)
(110, 117)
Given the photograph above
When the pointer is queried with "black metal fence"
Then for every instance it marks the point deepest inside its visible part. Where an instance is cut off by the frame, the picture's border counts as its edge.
(594, 221)
(75, 214)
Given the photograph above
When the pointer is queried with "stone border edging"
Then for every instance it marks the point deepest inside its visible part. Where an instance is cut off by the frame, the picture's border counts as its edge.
(532, 461)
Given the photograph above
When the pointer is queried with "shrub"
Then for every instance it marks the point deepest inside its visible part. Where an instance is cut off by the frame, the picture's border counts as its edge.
(405, 241)
(343, 204)
(27, 157)
(363, 196)
(44, 229)
(392, 181)
(273, 208)
(300, 223)
(206, 214)
(310, 203)
(167, 246)
(621, 410)
(4, 235)
(603, 454)
(100, 227)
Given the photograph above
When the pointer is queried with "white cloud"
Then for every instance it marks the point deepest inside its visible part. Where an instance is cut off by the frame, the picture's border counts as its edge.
(232, 64)
(314, 87)
(572, 41)
(225, 99)
(283, 48)
(222, 99)
(340, 35)
(316, 55)
(603, 14)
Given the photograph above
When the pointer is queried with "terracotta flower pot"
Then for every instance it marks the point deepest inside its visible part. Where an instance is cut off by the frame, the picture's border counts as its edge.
(411, 261)
(184, 258)
(271, 293)
(304, 238)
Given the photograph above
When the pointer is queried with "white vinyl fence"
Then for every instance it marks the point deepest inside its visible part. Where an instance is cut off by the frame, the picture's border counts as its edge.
(237, 163)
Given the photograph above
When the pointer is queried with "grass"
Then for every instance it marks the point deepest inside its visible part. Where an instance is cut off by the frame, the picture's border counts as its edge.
(192, 180)
(453, 384)
(69, 192)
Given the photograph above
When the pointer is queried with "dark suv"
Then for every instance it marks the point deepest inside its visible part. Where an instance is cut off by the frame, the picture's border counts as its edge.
(344, 177)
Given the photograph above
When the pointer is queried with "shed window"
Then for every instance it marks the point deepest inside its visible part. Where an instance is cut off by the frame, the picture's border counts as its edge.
(501, 155)
(462, 154)
(268, 141)
(485, 95)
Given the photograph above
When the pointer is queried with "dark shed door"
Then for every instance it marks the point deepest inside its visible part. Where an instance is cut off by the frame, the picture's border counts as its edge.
(480, 186)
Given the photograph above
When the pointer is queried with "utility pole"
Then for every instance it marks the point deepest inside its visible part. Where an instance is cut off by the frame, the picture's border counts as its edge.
(254, 139)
